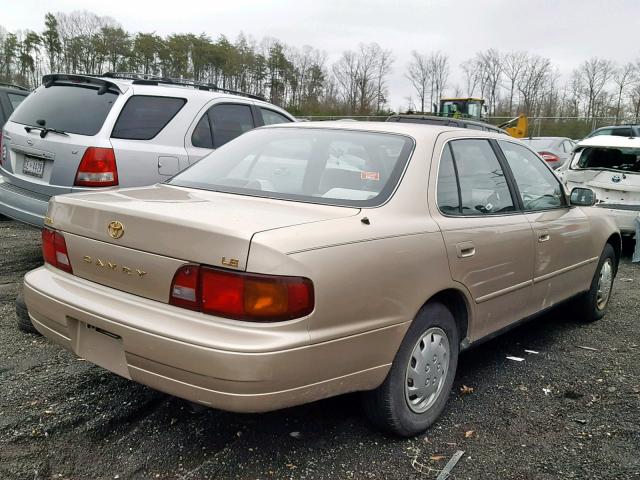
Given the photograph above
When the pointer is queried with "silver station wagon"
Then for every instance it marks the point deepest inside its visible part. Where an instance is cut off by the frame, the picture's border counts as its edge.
(76, 133)
(302, 261)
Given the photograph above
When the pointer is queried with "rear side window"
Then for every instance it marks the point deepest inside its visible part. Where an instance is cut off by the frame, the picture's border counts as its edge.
(483, 186)
(448, 193)
(15, 99)
(76, 109)
(201, 136)
(229, 121)
(271, 118)
(144, 116)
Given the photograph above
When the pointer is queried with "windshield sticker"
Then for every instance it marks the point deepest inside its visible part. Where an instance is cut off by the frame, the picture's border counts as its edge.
(370, 176)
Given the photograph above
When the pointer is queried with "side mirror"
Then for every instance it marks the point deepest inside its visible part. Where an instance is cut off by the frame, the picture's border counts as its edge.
(582, 197)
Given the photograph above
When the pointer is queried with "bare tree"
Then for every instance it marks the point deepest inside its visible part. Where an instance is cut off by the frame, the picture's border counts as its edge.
(533, 81)
(361, 76)
(514, 65)
(470, 71)
(439, 67)
(594, 75)
(492, 66)
(419, 75)
(622, 78)
(385, 61)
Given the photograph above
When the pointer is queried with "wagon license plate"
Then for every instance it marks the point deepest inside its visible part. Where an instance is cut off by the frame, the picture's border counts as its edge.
(33, 166)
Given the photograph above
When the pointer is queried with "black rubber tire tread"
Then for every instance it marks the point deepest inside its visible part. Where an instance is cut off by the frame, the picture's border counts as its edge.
(386, 406)
(585, 305)
(23, 321)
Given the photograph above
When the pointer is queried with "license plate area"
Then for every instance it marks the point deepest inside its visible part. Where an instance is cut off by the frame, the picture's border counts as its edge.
(102, 348)
(33, 166)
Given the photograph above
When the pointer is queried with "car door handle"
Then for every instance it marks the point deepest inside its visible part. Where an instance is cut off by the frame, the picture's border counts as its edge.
(465, 249)
(543, 236)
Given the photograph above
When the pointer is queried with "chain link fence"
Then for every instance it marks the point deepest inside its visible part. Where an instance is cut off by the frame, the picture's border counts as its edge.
(571, 127)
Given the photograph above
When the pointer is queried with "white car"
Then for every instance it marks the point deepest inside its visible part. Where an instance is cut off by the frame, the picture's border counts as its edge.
(610, 166)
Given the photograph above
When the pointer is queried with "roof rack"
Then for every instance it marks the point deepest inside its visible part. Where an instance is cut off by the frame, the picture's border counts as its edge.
(18, 87)
(144, 79)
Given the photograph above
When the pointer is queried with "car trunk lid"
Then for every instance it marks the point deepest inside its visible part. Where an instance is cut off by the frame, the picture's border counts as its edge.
(162, 227)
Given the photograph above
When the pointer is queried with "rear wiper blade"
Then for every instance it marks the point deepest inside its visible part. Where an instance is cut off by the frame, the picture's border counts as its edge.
(45, 130)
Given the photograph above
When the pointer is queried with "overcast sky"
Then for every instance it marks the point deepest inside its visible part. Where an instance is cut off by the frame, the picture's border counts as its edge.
(566, 31)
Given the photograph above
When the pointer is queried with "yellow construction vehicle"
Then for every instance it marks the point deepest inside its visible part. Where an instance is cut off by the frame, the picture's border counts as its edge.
(520, 129)
(474, 108)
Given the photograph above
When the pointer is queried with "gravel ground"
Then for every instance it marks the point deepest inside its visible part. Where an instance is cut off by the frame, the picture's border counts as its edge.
(565, 412)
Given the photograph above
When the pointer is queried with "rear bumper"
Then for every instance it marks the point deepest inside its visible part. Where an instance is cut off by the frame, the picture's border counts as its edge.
(130, 336)
(22, 204)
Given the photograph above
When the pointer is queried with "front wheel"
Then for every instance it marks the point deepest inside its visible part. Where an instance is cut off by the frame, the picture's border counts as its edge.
(420, 379)
(592, 305)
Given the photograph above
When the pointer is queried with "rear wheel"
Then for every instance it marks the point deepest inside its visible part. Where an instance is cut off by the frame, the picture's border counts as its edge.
(592, 305)
(23, 321)
(418, 385)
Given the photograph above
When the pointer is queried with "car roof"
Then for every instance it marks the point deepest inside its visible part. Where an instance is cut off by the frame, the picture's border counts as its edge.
(434, 118)
(546, 138)
(610, 141)
(190, 92)
(416, 130)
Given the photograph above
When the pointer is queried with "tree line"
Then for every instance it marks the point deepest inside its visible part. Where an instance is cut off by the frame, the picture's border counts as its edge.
(301, 80)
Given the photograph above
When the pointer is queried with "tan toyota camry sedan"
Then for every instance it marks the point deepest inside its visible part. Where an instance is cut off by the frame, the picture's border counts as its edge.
(308, 260)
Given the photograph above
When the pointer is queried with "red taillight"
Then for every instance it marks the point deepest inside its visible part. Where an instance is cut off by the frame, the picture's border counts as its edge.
(54, 250)
(241, 296)
(549, 157)
(97, 168)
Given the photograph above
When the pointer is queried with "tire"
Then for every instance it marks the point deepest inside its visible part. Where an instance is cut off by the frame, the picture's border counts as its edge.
(592, 305)
(22, 317)
(392, 407)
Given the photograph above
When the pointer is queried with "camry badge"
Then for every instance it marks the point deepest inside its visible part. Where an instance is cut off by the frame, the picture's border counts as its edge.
(115, 229)
(616, 179)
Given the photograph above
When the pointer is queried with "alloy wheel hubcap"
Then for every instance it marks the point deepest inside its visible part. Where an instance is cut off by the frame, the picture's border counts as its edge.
(427, 370)
(604, 284)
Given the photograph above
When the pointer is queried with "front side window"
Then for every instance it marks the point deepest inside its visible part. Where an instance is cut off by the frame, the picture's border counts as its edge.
(336, 167)
(483, 186)
(229, 121)
(271, 118)
(539, 188)
(144, 116)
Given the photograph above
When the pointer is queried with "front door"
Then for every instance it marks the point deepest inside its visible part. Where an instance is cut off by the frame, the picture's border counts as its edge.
(561, 232)
(489, 241)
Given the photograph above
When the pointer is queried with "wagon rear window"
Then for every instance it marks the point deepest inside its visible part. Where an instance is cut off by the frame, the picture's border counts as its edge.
(71, 108)
(336, 167)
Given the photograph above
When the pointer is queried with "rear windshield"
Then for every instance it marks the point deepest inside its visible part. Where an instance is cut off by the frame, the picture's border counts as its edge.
(335, 167)
(144, 116)
(626, 159)
(70, 108)
(539, 143)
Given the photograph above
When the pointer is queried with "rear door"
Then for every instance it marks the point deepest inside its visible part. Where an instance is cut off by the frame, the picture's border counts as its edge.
(561, 233)
(218, 125)
(47, 162)
(488, 239)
